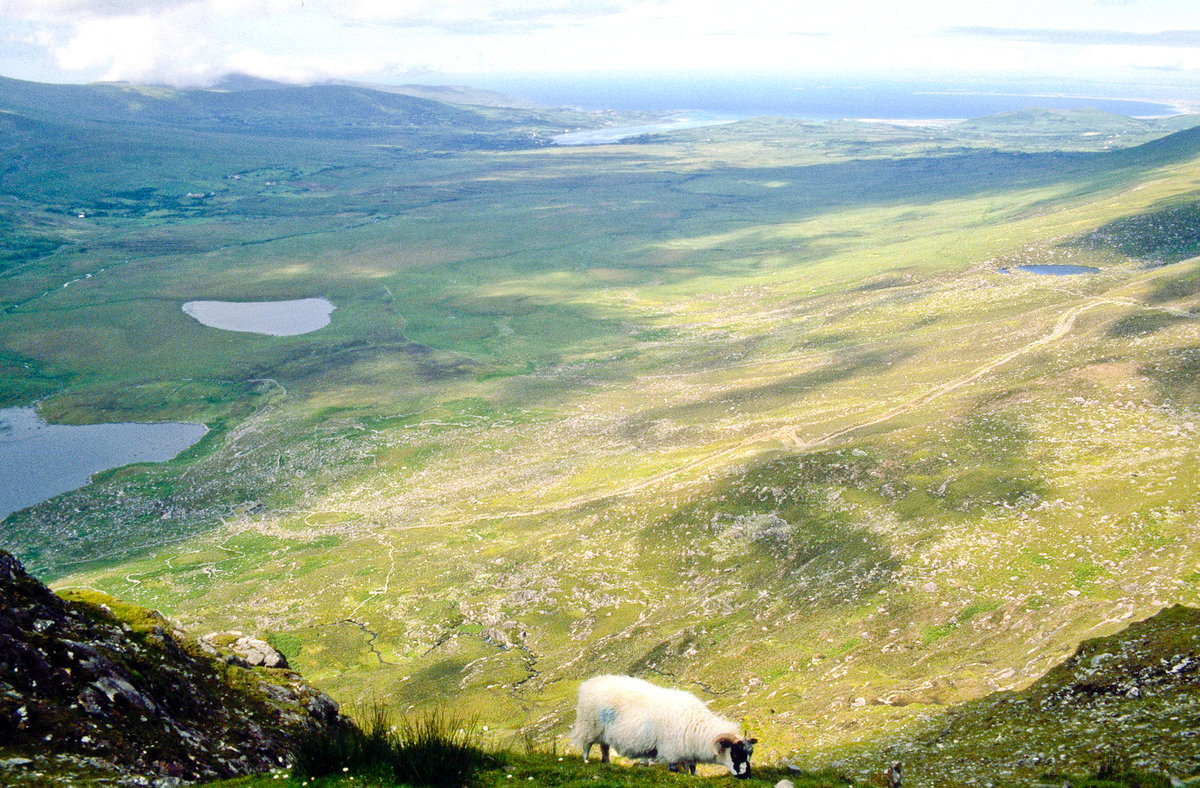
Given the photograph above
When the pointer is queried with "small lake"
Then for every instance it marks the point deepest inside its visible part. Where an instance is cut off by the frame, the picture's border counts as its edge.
(617, 133)
(1055, 270)
(274, 318)
(39, 461)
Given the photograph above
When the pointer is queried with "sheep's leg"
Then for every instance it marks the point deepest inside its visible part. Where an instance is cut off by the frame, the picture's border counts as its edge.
(674, 767)
(603, 752)
(691, 767)
(587, 749)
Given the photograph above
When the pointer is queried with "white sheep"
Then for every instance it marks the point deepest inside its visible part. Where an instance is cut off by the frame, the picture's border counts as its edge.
(646, 722)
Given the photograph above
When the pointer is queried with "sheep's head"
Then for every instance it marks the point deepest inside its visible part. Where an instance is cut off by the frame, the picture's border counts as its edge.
(735, 754)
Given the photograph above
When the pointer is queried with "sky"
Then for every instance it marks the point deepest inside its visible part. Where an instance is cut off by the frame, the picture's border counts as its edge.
(196, 42)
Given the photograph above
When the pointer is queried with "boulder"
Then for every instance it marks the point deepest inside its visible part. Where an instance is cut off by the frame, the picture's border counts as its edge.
(253, 651)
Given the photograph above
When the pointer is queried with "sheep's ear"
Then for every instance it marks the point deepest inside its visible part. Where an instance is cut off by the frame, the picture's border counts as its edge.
(722, 744)
(751, 741)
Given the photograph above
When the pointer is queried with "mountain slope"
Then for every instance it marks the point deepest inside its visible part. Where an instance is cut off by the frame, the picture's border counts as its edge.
(1126, 702)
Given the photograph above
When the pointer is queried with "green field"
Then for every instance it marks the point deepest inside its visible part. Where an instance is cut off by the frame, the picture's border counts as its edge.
(752, 409)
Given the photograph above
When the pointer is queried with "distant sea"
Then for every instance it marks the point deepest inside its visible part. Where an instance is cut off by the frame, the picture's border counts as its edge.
(814, 98)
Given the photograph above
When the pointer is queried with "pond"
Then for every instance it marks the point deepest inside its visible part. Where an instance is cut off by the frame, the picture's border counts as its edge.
(39, 461)
(274, 318)
(1055, 270)
(613, 134)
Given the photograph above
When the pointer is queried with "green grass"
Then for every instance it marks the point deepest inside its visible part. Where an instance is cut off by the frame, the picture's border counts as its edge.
(559, 772)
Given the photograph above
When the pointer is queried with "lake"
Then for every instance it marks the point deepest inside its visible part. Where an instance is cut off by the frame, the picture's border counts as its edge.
(39, 461)
(1056, 270)
(618, 133)
(274, 318)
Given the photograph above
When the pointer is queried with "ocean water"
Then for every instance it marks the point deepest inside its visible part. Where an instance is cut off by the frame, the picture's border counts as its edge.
(815, 98)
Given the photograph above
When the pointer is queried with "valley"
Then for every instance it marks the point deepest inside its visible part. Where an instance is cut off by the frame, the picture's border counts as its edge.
(765, 410)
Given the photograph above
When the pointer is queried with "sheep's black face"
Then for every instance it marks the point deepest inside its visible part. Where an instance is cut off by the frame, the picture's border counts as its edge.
(739, 755)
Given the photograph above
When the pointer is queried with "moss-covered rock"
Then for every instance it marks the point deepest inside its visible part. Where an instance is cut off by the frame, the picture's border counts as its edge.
(92, 688)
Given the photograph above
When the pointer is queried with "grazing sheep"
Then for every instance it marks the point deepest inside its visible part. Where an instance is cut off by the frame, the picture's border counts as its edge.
(646, 722)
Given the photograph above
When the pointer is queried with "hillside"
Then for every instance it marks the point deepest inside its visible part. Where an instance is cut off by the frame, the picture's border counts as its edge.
(1124, 704)
(94, 689)
(330, 112)
(1121, 711)
(768, 410)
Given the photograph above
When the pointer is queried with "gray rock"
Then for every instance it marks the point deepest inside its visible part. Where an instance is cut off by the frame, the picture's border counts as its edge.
(249, 649)
(116, 687)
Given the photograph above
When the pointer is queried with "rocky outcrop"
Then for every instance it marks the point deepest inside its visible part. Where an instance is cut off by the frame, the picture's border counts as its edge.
(250, 649)
(93, 686)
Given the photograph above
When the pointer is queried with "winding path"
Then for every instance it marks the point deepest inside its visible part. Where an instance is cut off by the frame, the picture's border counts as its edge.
(1062, 327)
(789, 435)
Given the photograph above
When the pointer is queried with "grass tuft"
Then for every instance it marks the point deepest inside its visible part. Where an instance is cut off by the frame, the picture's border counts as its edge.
(438, 748)
(435, 749)
(1115, 771)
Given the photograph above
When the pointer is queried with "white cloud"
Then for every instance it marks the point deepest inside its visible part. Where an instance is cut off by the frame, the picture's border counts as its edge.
(164, 46)
(66, 10)
(190, 41)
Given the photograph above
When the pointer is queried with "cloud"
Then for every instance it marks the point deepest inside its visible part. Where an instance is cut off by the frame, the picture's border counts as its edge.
(66, 10)
(1164, 38)
(404, 13)
(190, 42)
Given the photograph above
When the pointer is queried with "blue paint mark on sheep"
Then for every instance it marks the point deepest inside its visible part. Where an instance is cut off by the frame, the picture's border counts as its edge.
(607, 715)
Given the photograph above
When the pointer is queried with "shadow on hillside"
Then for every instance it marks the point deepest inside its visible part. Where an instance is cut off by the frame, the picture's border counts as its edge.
(778, 528)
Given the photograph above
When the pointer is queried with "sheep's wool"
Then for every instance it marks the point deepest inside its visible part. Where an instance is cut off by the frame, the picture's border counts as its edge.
(643, 721)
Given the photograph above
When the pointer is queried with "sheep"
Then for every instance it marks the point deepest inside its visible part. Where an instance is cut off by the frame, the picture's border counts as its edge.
(646, 722)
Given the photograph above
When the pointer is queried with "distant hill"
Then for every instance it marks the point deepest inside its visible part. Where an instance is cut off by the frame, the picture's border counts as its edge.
(233, 82)
(453, 94)
(430, 117)
(446, 94)
(277, 109)
(1070, 129)
(1035, 119)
